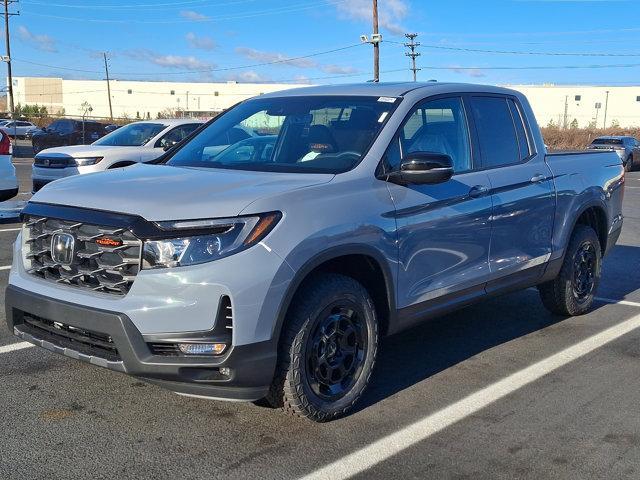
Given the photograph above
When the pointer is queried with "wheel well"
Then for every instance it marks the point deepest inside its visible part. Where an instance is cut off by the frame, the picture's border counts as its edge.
(366, 270)
(596, 218)
(122, 164)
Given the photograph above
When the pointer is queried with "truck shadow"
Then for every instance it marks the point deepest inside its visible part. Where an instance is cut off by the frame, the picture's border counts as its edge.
(417, 354)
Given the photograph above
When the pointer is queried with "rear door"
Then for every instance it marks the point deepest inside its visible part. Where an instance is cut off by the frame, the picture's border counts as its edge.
(521, 190)
(443, 229)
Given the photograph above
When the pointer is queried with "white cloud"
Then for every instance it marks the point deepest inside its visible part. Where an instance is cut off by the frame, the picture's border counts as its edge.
(200, 42)
(472, 72)
(41, 42)
(170, 61)
(284, 60)
(391, 13)
(194, 16)
(338, 69)
(273, 57)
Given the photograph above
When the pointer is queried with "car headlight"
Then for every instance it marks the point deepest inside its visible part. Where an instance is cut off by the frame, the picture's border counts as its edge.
(84, 161)
(215, 238)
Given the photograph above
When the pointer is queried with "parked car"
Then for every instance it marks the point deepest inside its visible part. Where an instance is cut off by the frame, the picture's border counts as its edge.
(627, 148)
(18, 128)
(8, 179)
(275, 278)
(136, 142)
(67, 132)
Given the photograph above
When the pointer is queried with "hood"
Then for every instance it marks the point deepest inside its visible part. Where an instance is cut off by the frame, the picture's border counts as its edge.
(85, 150)
(160, 192)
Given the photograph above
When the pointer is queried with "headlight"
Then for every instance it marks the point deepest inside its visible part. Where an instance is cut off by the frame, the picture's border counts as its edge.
(216, 238)
(84, 161)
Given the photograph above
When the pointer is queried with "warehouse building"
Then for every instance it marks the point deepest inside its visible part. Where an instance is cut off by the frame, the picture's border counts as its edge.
(132, 99)
(560, 105)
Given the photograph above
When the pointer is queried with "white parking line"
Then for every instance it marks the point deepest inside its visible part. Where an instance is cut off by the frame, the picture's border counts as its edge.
(10, 229)
(621, 302)
(386, 447)
(15, 346)
(5, 267)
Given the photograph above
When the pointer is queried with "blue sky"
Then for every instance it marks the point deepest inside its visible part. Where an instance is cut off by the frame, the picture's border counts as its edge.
(209, 40)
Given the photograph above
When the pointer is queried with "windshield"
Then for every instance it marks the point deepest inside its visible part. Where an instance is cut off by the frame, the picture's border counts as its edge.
(132, 135)
(314, 134)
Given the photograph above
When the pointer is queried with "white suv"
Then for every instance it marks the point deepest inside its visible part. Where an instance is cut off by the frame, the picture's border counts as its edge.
(134, 143)
(8, 179)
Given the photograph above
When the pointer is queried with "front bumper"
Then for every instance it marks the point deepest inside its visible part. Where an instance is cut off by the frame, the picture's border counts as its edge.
(251, 367)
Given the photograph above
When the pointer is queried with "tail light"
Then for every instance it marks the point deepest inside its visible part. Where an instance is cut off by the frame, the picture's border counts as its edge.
(5, 145)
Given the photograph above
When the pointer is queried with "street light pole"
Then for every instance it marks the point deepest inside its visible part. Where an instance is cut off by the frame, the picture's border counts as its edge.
(606, 106)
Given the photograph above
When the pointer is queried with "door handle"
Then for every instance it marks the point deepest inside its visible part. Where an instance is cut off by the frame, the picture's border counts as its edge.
(478, 191)
(537, 178)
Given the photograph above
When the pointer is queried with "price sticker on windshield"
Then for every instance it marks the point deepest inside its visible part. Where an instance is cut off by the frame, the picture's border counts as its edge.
(387, 99)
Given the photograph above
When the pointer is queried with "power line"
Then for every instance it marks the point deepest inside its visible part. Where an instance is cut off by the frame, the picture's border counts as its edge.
(208, 70)
(412, 45)
(276, 11)
(512, 52)
(187, 3)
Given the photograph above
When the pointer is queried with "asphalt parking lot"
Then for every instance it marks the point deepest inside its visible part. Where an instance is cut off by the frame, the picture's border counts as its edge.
(502, 389)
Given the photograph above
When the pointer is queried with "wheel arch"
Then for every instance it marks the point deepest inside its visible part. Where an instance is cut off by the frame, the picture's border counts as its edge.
(347, 259)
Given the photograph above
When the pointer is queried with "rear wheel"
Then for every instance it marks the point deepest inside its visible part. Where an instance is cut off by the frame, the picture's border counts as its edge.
(573, 290)
(628, 165)
(328, 349)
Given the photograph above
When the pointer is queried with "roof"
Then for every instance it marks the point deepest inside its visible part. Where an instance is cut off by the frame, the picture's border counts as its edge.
(384, 89)
(171, 122)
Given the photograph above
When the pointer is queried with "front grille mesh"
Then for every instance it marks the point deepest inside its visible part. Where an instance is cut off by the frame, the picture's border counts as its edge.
(80, 340)
(108, 269)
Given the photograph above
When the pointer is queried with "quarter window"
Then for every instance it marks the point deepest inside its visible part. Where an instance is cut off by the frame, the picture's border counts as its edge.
(497, 135)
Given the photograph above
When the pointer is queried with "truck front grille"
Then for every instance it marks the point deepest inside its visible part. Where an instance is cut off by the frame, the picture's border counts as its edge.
(102, 259)
(84, 341)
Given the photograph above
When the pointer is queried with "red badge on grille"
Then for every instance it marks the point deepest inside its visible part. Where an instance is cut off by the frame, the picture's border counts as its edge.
(109, 242)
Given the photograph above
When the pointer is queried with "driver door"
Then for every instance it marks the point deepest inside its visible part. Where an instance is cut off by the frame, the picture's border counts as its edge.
(444, 229)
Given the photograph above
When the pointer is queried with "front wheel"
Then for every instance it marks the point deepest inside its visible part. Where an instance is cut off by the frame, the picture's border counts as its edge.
(572, 292)
(328, 349)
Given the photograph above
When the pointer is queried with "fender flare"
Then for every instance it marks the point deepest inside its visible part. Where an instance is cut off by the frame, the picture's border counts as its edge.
(325, 256)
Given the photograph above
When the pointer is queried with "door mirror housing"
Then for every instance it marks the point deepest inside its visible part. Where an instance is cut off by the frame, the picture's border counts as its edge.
(423, 168)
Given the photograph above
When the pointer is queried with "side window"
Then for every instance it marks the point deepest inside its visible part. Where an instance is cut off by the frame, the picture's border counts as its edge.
(438, 126)
(492, 115)
(521, 131)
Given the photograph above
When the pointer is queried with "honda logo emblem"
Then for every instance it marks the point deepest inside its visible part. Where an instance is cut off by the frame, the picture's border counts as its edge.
(63, 247)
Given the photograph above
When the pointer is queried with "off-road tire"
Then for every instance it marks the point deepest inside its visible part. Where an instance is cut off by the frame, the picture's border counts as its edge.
(558, 294)
(291, 389)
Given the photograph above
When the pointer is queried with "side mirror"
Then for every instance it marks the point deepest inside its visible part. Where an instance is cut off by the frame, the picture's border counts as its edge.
(423, 168)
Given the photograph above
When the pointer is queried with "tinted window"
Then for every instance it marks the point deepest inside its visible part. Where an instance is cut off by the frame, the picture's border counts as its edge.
(607, 141)
(438, 126)
(132, 135)
(521, 131)
(496, 131)
(177, 134)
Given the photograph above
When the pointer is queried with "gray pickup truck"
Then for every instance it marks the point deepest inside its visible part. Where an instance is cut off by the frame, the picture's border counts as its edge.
(270, 271)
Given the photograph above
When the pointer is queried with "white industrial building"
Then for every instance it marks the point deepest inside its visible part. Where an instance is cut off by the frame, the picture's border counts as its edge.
(133, 99)
(560, 105)
(583, 105)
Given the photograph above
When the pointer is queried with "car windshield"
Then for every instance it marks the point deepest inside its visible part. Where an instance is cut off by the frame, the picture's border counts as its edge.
(132, 135)
(607, 141)
(310, 134)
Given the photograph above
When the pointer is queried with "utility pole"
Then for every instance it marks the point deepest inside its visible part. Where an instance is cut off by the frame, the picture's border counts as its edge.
(8, 57)
(606, 106)
(376, 45)
(412, 45)
(106, 69)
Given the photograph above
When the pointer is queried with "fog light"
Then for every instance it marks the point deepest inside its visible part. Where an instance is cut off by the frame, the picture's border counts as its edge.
(202, 348)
